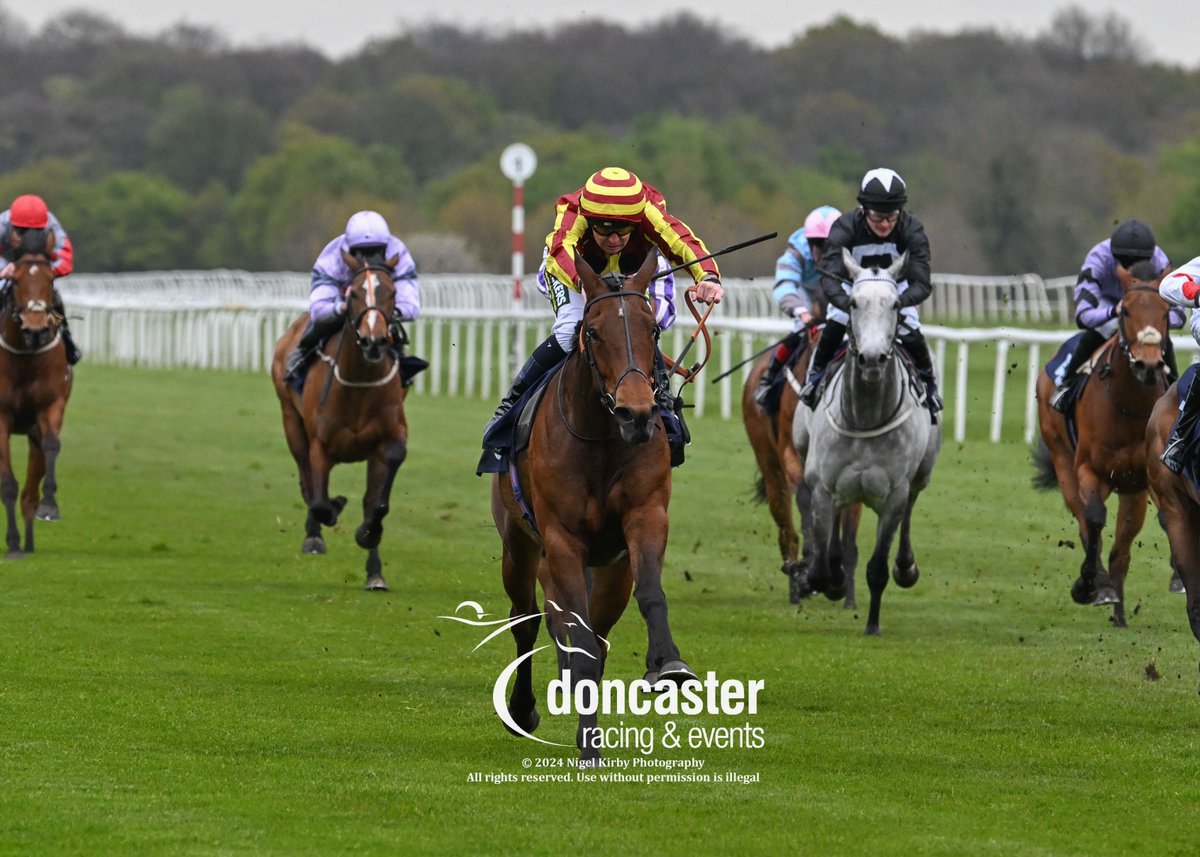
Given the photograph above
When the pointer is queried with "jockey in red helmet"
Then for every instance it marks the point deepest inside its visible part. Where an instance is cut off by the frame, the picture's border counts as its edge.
(24, 228)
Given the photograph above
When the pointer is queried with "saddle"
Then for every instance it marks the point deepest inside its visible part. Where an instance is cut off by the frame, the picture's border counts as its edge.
(1191, 467)
(906, 361)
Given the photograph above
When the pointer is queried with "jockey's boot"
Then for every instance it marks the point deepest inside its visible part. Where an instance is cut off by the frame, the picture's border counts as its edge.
(932, 400)
(307, 346)
(74, 355)
(765, 393)
(1176, 453)
(827, 346)
(1087, 345)
(544, 358)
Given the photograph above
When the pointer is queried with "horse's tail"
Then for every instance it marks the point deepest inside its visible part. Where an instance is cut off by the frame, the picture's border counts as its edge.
(1044, 479)
(760, 490)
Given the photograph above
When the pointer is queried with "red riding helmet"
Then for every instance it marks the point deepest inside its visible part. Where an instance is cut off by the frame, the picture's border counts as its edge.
(29, 212)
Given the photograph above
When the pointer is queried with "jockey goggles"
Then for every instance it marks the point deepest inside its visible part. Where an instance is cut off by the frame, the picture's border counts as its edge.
(881, 216)
(605, 230)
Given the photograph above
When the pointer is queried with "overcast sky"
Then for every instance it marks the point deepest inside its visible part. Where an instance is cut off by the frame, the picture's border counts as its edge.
(339, 29)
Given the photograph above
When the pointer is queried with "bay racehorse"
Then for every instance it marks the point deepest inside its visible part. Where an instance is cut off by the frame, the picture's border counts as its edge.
(781, 475)
(591, 521)
(350, 409)
(1108, 452)
(1178, 499)
(35, 383)
(869, 440)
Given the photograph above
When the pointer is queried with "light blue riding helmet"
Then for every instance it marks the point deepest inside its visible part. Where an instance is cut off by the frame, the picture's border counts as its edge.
(367, 229)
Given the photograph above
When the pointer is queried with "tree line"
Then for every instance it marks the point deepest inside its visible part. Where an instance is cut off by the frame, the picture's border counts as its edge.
(179, 151)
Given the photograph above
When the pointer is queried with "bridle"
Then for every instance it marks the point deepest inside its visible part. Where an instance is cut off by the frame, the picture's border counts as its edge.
(1125, 345)
(14, 310)
(586, 337)
(355, 320)
(608, 400)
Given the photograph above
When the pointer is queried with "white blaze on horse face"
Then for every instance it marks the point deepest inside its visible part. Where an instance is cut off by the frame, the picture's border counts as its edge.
(874, 315)
(373, 314)
(1149, 336)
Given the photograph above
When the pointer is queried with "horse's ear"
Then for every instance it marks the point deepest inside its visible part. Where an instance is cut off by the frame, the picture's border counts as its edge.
(51, 238)
(589, 283)
(391, 263)
(851, 265)
(350, 261)
(898, 266)
(641, 280)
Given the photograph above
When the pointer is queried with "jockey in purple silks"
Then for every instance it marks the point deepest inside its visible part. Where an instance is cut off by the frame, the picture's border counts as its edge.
(1098, 295)
(367, 239)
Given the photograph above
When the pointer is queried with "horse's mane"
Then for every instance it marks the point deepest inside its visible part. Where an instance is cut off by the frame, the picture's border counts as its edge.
(1144, 270)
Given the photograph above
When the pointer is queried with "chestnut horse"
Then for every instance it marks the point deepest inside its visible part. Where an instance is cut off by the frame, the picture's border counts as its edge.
(595, 483)
(351, 409)
(1178, 501)
(781, 476)
(1109, 453)
(35, 383)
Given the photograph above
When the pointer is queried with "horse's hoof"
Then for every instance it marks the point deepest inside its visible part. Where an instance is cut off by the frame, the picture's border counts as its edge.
(650, 677)
(850, 603)
(795, 588)
(324, 514)
(376, 584)
(47, 513)
(793, 567)
(528, 722)
(313, 545)
(1082, 592)
(14, 554)
(906, 578)
(1177, 587)
(1106, 595)
(872, 631)
(835, 589)
(676, 672)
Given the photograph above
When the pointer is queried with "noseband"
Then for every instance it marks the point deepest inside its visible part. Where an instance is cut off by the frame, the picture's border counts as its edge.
(607, 399)
(1123, 340)
(355, 320)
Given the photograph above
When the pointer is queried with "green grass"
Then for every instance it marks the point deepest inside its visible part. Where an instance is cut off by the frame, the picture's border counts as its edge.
(176, 678)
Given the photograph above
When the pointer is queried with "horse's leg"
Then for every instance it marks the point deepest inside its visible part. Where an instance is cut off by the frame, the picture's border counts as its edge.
(890, 516)
(835, 587)
(1176, 586)
(850, 518)
(816, 576)
(905, 571)
(520, 582)
(323, 509)
(611, 587)
(381, 473)
(646, 535)
(35, 469)
(1131, 515)
(775, 489)
(798, 578)
(8, 493)
(565, 559)
(297, 441)
(1093, 585)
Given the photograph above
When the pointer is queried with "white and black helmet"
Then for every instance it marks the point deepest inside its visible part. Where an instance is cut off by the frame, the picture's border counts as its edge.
(883, 190)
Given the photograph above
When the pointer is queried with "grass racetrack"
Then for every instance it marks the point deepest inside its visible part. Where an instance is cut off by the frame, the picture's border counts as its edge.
(176, 678)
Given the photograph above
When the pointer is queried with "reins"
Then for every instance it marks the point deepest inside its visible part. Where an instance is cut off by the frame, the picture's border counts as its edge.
(351, 323)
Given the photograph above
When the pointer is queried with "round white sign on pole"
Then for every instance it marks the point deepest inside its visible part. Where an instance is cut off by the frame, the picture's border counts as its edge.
(518, 162)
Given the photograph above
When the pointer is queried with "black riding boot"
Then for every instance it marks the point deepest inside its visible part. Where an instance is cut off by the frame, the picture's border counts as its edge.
(307, 346)
(767, 392)
(1176, 453)
(831, 340)
(918, 348)
(544, 358)
(74, 355)
(1087, 345)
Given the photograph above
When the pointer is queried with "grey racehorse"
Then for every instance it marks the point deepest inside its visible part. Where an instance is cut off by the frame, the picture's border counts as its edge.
(869, 440)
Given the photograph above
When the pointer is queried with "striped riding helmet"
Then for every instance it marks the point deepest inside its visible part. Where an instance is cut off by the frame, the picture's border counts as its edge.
(611, 196)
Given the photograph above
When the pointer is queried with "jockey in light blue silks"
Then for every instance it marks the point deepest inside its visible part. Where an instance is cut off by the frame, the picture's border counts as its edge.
(798, 294)
(1182, 288)
(1098, 293)
(367, 238)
